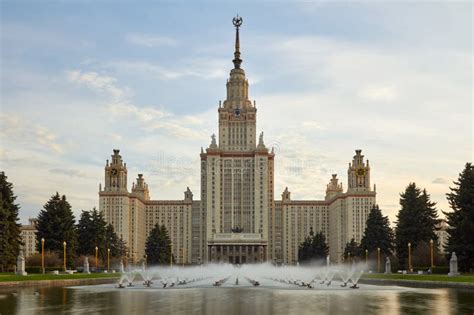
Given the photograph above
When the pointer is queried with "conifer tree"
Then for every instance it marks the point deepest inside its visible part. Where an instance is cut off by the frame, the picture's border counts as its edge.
(56, 224)
(417, 220)
(10, 239)
(352, 250)
(158, 246)
(461, 219)
(378, 233)
(320, 249)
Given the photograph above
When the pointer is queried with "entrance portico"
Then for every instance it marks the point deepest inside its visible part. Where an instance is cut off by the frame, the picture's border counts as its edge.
(237, 248)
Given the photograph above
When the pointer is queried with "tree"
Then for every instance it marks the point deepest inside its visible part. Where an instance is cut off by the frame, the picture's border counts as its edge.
(56, 224)
(417, 220)
(85, 246)
(320, 247)
(10, 239)
(314, 247)
(378, 233)
(305, 250)
(158, 246)
(461, 219)
(352, 250)
(113, 242)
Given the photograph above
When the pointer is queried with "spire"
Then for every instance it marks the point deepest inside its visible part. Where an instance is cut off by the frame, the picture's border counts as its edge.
(237, 21)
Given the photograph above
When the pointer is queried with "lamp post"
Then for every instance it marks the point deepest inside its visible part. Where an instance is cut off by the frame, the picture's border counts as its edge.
(432, 255)
(366, 258)
(108, 259)
(171, 256)
(378, 259)
(42, 254)
(64, 244)
(146, 261)
(409, 257)
(96, 259)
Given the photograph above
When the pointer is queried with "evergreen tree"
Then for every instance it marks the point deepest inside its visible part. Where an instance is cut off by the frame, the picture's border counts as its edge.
(352, 250)
(158, 246)
(86, 245)
(417, 220)
(122, 248)
(461, 219)
(112, 241)
(56, 225)
(377, 234)
(10, 239)
(305, 250)
(320, 249)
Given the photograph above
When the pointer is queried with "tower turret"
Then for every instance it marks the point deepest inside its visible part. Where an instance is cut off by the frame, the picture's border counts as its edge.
(358, 173)
(116, 173)
(333, 188)
(141, 188)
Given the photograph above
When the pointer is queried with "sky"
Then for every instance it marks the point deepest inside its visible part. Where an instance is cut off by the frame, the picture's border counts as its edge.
(81, 78)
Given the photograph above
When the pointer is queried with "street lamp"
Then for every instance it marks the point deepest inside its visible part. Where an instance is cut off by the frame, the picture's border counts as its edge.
(366, 258)
(42, 254)
(409, 257)
(378, 259)
(432, 256)
(64, 244)
(108, 259)
(96, 259)
(146, 261)
(171, 256)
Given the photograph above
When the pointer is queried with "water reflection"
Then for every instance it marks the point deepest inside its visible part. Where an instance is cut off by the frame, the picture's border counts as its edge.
(228, 301)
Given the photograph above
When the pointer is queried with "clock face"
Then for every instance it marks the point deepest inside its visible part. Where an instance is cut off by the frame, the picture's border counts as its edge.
(114, 171)
(237, 112)
(361, 172)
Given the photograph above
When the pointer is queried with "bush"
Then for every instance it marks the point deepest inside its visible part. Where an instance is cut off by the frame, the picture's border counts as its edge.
(50, 260)
(37, 269)
(441, 270)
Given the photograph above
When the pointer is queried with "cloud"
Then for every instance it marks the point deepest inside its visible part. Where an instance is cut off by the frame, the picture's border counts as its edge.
(48, 139)
(439, 180)
(68, 172)
(379, 93)
(15, 129)
(97, 82)
(150, 40)
(204, 68)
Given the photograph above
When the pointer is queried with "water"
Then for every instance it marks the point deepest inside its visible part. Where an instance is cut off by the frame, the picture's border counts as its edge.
(289, 290)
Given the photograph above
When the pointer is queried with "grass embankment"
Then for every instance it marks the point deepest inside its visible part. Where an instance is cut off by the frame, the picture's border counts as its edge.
(38, 277)
(442, 278)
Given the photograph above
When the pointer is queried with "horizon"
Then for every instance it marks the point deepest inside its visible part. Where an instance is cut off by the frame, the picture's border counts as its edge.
(399, 89)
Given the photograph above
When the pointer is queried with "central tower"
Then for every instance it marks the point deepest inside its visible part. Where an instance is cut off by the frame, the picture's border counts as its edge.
(237, 118)
(237, 177)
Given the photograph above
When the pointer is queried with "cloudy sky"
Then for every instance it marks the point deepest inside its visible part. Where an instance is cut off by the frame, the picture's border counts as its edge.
(79, 79)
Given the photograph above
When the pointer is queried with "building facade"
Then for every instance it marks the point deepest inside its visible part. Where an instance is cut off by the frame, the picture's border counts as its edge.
(28, 237)
(237, 219)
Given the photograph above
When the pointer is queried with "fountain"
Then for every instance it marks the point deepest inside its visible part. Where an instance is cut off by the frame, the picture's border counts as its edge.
(333, 276)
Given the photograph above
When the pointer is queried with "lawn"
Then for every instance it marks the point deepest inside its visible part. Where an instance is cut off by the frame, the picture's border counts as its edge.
(444, 278)
(36, 277)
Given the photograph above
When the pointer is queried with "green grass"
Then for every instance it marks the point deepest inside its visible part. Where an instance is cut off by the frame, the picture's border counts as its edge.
(463, 278)
(36, 277)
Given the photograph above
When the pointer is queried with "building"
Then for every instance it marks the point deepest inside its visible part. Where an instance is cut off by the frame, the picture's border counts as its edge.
(237, 219)
(28, 237)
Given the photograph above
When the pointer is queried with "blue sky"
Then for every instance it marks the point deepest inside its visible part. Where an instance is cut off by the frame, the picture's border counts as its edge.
(79, 78)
